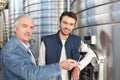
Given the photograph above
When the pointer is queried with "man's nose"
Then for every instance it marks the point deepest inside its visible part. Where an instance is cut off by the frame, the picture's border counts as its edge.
(67, 26)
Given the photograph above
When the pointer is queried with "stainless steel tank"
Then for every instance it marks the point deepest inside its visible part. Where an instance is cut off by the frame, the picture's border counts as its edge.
(100, 18)
(15, 10)
(6, 25)
(46, 17)
(1, 30)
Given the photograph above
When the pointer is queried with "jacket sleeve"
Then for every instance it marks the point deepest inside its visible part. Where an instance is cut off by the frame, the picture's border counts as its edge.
(21, 66)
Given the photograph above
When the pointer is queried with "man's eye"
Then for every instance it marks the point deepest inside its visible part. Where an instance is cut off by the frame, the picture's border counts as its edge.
(32, 27)
(65, 22)
(72, 24)
(24, 26)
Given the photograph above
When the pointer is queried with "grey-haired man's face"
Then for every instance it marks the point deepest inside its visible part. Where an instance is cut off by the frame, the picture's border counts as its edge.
(24, 29)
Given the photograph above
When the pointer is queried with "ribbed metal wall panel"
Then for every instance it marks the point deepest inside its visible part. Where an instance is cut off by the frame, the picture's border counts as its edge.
(94, 15)
(101, 18)
(6, 25)
(46, 15)
(106, 14)
(92, 11)
(93, 3)
(15, 10)
(1, 32)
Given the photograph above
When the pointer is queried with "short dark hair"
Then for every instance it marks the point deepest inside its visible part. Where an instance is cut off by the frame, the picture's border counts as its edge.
(70, 14)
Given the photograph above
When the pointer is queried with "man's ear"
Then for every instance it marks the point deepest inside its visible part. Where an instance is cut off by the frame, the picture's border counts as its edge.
(15, 29)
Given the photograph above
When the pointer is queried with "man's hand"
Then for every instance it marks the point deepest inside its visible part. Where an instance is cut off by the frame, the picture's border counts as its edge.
(75, 73)
(68, 64)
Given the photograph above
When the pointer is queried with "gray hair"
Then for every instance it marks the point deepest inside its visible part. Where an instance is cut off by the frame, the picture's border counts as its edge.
(17, 21)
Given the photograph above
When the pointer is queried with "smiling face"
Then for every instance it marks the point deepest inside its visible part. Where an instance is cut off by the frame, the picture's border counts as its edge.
(66, 25)
(24, 29)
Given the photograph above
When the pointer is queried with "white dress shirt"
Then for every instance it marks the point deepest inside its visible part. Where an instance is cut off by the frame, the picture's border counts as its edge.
(29, 51)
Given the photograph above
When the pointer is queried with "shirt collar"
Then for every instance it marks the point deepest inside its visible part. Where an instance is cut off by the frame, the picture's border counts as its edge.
(27, 46)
